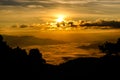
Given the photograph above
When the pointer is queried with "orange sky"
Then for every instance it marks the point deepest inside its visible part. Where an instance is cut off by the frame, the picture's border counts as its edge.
(40, 11)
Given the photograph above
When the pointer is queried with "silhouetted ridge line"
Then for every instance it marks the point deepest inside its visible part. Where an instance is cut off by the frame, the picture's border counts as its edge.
(16, 60)
(23, 41)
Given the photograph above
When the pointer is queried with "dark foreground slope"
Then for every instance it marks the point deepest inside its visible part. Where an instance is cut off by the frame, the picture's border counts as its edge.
(16, 63)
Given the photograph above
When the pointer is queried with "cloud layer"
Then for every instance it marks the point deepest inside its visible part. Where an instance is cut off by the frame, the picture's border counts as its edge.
(93, 6)
(41, 9)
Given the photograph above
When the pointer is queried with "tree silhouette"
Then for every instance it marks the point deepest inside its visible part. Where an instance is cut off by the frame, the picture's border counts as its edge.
(110, 48)
(5, 51)
(15, 61)
(37, 63)
(20, 55)
(1, 38)
(35, 55)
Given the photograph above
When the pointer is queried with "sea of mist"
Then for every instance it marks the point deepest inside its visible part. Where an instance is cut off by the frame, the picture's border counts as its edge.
(59, 46)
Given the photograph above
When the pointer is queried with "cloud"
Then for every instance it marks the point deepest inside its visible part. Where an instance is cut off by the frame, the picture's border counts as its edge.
(74, 7)
(102, 24)
(54, 2)
(35, 6)
(23, 26)
(26, 2)
(9, 2)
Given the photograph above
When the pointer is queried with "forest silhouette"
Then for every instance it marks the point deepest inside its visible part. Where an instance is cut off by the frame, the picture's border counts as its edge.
(16, 60)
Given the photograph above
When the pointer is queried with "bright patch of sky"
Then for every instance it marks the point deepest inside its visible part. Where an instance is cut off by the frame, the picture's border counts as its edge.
(44, 10)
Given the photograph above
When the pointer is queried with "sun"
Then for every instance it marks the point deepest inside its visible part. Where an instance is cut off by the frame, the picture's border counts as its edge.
(60, 18)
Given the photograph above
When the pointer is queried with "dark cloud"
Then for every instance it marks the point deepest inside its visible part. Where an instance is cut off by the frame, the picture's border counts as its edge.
(57, 2)
(9, 2)
(46, 3)
(24, 3)
(23, 26)
(102, 7)
(102, 24)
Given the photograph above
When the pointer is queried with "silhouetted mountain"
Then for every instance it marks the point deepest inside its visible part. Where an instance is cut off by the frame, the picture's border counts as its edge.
(16, 61)
(29, 40)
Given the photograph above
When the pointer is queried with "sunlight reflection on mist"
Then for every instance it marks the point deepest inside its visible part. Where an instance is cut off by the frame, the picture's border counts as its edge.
(73, 38)
(56, 54)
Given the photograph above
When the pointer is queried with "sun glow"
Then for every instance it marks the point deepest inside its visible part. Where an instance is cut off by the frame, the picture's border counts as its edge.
(60, 18)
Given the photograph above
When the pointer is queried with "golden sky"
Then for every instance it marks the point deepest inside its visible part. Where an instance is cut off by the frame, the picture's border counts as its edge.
(38, 11)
